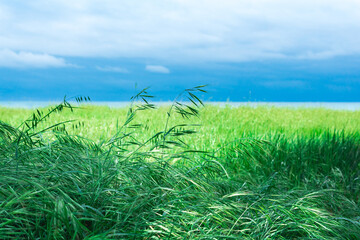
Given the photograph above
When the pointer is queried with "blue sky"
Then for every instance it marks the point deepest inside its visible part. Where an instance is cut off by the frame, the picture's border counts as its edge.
(258, 50)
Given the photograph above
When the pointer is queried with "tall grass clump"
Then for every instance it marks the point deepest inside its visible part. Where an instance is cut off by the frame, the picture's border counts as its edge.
(56, 185)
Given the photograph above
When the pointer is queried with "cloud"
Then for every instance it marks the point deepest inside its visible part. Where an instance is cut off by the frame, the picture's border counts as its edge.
(157, 69)
(21, 59)
(339, 88)
(112, 69)
(320, 55)
(183, 30)
(284, 84)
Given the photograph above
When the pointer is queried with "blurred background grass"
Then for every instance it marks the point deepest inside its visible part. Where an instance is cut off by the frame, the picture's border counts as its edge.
(218, 124)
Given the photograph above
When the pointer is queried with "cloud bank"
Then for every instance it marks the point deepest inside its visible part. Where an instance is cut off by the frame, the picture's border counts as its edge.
(13, 59)
(183, 30)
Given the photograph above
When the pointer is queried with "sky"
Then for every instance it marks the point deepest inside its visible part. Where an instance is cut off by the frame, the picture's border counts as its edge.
(244, 50)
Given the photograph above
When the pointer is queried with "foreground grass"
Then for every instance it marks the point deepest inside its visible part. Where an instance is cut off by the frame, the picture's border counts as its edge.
(267, 173)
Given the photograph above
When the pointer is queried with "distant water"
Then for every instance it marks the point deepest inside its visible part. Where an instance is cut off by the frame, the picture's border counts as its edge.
(352, 106)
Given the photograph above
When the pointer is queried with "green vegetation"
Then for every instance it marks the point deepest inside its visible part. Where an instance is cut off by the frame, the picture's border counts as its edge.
(143, 173)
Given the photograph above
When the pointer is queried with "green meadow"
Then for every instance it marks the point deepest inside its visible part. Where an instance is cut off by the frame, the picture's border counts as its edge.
(179, 172)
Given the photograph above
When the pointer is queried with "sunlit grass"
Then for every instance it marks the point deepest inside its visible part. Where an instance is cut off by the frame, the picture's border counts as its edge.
(217, 123)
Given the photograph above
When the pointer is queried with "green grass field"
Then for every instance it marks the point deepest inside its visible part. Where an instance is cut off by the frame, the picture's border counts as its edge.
(247, 173)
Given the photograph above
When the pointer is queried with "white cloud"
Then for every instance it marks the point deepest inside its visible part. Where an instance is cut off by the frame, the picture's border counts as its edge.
(157, 69)
(112, 69)
(21, 59)
(183, 30)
